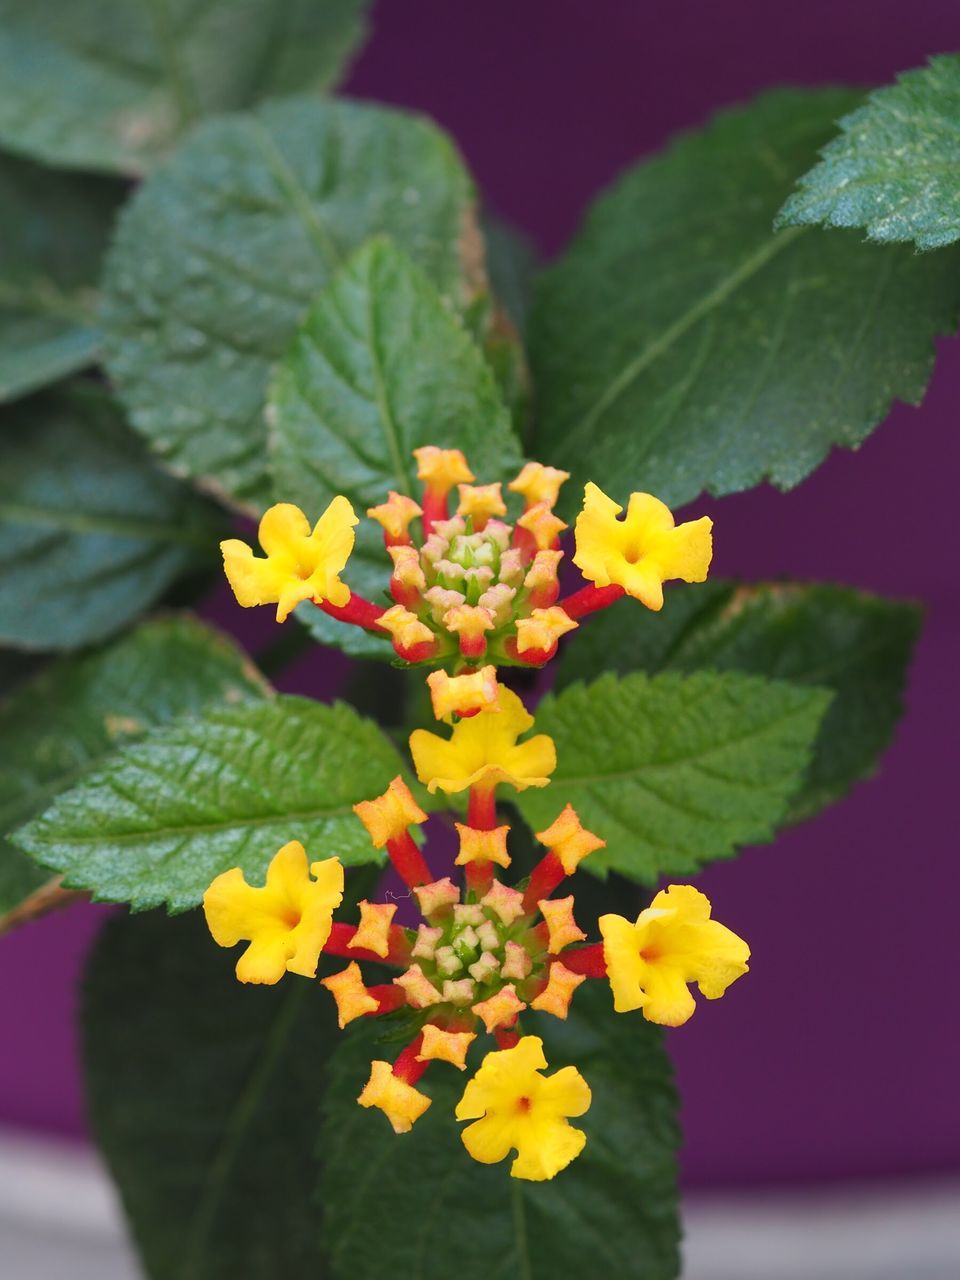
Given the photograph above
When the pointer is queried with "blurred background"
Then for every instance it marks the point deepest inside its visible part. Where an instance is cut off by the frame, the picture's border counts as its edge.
(836, 1063)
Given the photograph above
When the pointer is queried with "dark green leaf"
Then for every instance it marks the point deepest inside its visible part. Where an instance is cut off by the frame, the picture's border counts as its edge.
(205, 1099)
(221, 252)
(223, 789)
(67, 720)
(675, 771)
(105, 84)
(54, 233)
(855, 644)
(894, 169)
(90, 531)
(681, 345)
(612, 1212)
(379, 367)
(512, 264)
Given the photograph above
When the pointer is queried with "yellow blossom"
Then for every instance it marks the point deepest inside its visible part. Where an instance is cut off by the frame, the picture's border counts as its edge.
(673, 942)
(464, 695)
(542, 525)
(484, 749)
(515, 1107)
(642, 551)
(543, 629)
(389, 815)
(569, 839)
(400, 1102)
(562, 928)
(556, 996)
(441, 469)
(287, 922)
(395, 516)
(352, 997)
(405, 627)
(501, 1009)
(445, 1046)
(538, 483)
(373, 931)
(480, 501)
(299, 564)
(483, 846)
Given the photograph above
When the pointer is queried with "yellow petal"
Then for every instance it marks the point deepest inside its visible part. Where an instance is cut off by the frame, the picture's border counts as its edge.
(283, 529)
(253, 581)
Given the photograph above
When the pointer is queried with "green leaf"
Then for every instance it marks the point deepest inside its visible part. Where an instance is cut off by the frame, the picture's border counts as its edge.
(682, 345)
(611, 1212)
(894, 168)
(675, 771)
(512, 263)
(223, 789)
(220, 254)
(55, 229)
(91, 532)
(855, 644)
(65, 721)
(105, 84)
(204, 1098)
(379, 367)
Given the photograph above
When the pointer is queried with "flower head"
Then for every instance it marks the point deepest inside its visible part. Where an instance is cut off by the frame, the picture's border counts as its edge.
(300, 564)
(514, 1107)
(485, 749)
(286, 922)
(673, 942)
(642, 551)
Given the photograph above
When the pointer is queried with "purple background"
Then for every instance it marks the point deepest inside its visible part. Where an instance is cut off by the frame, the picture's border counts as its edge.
(839, 1055)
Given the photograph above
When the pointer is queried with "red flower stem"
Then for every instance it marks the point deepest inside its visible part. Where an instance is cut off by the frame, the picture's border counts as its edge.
(507, 1038)
(586, 960)
(546, 875)
(398, 944)
(406, 1066)
(434, 509)
(482, 807)
(388, 998)
(360, 612)
(408, 861)
(479, 877)
(589, 599)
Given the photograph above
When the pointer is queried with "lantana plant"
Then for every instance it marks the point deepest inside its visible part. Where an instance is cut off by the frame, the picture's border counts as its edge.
(385, 985)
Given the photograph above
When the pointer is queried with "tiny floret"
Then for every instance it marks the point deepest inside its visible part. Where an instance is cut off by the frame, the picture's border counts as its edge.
(420, 991)
(563, 929)
(570, 840)
(642, 551)
(541, 631)
(517, 963)
(542, 525)
(391, 814)
(407, 630)
(445, 1046)
(501, 1009)
(373, 932)
(485, 749)
(464, 695)
(400, 1102)
(286, 922)
(352, 997)
(300, 563)
(538, 483)
(516, 1108)
(556, 996)
(436, 896)
(483, 846)
(673, 942)
(479, 502)
(441, 469)
(506, 902)
(396, 516)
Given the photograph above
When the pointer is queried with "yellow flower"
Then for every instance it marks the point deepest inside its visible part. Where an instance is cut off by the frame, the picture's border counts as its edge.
(400, 1102)
(466, 694)
(569, 839)
(299, 565)
(673, 942)
(538, 483)
(352, 997)
(516, 1107)
(286, 922)
(485, 749)
(642, 551)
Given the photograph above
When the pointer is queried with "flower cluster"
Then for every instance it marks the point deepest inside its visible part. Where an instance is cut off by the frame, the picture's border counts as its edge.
(475, 593)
